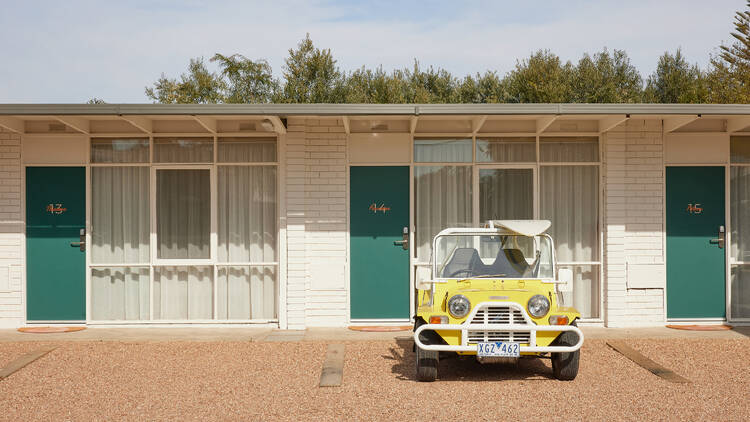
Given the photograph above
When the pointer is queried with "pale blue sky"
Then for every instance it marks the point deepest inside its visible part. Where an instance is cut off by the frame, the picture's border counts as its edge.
(72, 50)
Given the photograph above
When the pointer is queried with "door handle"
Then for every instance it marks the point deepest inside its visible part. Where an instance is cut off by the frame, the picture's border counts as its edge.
(81, 244)
(720, 239)
(405, 242)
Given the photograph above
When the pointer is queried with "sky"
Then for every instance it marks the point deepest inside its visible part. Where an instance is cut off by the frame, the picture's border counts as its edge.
(71, 51)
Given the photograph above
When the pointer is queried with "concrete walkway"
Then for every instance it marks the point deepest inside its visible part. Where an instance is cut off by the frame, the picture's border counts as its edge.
(265, 333)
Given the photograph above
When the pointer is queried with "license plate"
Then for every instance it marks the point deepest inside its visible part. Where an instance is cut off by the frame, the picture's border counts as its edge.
(499, 348)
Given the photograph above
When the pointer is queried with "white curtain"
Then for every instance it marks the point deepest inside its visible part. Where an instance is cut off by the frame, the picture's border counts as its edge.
(120, 215)
(183, 150)
(183, 214)
(120, 235)
(109, 150)
(247, 214)
(443, 199)
(740, 249)
(184, 292)
(120, 294)
(506, 150)
(247, 293)
(442, 150)
(569, 149)
(506, 194)
(246, 150)
(569, 198)
(247, 233)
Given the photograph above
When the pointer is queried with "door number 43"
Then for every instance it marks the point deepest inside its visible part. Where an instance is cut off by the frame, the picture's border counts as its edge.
(694, 208)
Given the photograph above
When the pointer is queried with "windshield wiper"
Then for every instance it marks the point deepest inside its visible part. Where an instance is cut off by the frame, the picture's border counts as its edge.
(489, 275)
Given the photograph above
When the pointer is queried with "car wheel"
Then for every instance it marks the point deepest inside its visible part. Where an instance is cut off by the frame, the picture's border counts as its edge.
(565, 365)
(427, 364)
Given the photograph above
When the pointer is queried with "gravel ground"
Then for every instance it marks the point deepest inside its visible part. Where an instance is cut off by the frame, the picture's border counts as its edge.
(12, 351)
(277, 381)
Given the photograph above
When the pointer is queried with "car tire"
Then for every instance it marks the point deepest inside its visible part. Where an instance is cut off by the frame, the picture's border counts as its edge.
(427, 364)
(565, 365)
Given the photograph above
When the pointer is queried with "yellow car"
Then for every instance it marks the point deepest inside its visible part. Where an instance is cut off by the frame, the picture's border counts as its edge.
(495, 293)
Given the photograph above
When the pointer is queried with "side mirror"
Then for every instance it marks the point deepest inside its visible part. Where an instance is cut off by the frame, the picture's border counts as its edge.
(565, 278)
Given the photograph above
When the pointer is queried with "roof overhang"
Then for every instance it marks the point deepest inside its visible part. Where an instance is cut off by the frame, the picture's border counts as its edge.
(284, 110)
(425, 119)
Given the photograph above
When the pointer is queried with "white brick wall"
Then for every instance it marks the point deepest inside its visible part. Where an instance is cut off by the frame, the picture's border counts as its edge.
(634, 222)
(316, 217)
(11, 230)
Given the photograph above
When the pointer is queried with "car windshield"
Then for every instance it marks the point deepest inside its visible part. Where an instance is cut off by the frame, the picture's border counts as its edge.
(493, 256)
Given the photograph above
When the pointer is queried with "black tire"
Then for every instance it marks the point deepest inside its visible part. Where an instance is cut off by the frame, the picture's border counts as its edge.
(565, 365)
(427, 365)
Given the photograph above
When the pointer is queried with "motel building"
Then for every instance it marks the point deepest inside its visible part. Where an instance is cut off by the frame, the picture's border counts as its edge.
(294, 216)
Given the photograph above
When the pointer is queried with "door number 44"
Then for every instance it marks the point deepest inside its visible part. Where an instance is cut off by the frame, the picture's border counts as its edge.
(694, 208)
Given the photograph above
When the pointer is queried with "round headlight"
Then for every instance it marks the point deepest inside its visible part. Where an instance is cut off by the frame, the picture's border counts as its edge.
(538, 306)
(459, 306)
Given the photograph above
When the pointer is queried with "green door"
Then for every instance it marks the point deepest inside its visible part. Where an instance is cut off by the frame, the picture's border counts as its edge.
(695, 259)
(379, 209)
(55, 263)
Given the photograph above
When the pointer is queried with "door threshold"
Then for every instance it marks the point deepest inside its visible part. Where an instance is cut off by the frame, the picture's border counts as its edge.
(381, 322)
(70, 323)
(693, 321)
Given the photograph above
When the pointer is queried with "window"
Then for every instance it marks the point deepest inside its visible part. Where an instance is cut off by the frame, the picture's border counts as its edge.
(442, 199)
(505, 180)
(184, 237)
(506, 150)
(442, 150)
(183, 214)
(506, 194)
(573, 149)
(739, 210)
(111, 150)
(183, 150)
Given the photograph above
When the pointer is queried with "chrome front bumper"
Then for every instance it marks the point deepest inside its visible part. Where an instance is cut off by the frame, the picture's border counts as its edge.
(515, 325)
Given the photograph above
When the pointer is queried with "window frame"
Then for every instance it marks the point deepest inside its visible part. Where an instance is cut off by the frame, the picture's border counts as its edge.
(477, 165)
(212, 261)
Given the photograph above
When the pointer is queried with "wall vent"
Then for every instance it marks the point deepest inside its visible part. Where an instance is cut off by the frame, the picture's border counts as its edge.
(56, 127)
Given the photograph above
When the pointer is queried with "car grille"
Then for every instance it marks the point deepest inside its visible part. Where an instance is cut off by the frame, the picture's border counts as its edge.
(498, 315)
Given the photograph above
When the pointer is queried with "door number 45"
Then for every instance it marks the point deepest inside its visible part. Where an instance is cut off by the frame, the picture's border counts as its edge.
(694, 208)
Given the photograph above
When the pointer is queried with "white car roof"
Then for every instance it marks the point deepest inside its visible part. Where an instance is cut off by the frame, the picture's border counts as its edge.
(522, 227)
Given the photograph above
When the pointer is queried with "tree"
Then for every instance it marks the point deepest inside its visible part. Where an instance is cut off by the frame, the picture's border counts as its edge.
(246, 81)
(482, 88)
(311, 76)
(606, 78)
(676, 81)
(367, 86)
(729, 77)
(429, 86)
(542, 78)
(197, 86)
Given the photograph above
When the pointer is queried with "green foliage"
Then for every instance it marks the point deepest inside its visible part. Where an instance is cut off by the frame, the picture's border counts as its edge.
(729, 77)
(542, 78)
(247, 81)
(197, 86)
(676, 81)
(366, 86)
(606, 78)
(311, 76)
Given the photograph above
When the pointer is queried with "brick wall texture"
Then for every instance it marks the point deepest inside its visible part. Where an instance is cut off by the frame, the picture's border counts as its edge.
(634, 222)
(11, 230)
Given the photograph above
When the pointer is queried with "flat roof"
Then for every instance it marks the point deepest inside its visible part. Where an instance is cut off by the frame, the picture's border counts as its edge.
(283, 110)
